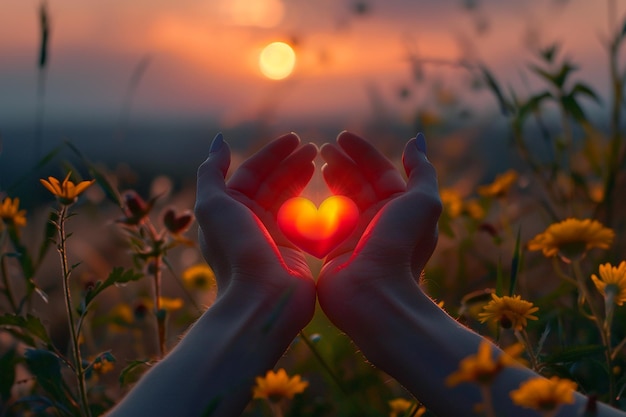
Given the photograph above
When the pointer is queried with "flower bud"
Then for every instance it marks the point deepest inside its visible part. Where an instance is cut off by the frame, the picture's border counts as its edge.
(177, 224)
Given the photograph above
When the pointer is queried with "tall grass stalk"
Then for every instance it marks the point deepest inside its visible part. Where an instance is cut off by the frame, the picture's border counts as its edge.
(42, 63)
(74, 334)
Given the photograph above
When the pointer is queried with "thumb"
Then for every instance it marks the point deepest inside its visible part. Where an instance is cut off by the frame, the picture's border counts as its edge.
(406, 228)
(212, 171)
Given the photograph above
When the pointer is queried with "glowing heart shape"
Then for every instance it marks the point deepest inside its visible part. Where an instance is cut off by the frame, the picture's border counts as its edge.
(318, 231)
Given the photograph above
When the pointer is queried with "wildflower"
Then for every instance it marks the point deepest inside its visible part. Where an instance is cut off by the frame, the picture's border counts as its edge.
(482, 368)
(612, 279)
(452, 202)
(510, 312)
(135, 208)
(66, 192)
(277, 385)
(199, 276)
(171, 304)
(177, 224)
(10, 214)
(544, 394)
(474, 209)
(400, 406)
(103, 365)
(572, 238)
(500, 186)
(120, 319)
(167, 304)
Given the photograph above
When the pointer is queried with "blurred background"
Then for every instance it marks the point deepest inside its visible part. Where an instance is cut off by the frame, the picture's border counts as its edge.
(526, 96)
(149, 83)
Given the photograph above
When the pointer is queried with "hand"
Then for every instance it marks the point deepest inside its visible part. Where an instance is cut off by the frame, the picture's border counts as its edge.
(238, 232)
(265, 290)
(397, 232)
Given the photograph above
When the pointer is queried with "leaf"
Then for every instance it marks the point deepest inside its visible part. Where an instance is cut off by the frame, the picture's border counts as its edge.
(584, 89)
(515, 263)
(132, 372)
(557, 79)
(572, 107)
(505, 107)
(24, 258)
(574, 353)
(117, 276)
(549, 52)
(534, 102)
(7, 374)
(30, 324)
(110, 191)
(46, 367)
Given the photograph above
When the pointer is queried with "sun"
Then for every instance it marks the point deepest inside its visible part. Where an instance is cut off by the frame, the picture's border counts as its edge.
(277, 60)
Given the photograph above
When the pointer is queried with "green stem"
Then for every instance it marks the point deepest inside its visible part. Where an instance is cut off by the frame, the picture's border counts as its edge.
(326, 366)
(522, 336)
(8, 291)
(322, 361)
(160, 316)
(78, 365)
(618, 347)
(599, 322)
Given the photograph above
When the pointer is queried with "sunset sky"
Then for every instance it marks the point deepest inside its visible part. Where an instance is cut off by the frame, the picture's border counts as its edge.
(202, 56)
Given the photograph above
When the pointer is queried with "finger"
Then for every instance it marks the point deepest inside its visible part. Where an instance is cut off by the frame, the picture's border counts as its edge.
(212, 171)
(224, 221)
(382, 174)
(420, 172)
(343, 177)
(405, 230)
(251, 174)
(287, 179)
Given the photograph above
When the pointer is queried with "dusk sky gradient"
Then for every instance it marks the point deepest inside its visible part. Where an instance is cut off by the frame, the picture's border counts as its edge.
(203, 54)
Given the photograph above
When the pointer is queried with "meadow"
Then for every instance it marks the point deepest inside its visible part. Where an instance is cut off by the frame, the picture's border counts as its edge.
(101, 280)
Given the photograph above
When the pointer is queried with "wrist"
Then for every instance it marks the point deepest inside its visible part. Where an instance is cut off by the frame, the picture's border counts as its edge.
(284, 301)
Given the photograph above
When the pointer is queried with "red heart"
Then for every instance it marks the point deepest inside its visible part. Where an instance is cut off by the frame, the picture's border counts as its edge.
(318, 231)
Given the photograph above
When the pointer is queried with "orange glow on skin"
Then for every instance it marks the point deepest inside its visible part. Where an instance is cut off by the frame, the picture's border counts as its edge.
(318, 231)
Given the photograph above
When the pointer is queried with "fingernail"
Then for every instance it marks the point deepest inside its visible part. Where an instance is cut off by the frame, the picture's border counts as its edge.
(217, 143)
(420, 142)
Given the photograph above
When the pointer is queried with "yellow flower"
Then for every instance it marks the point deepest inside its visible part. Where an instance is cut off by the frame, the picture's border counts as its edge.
(120, 319)
(277, 385)
(544, 394)
(509, 312)
(474, 209)
(452, 202)
(500, 186)
(614, 278)
(572, 238)
(171, 304)
(199, 277)
(482, 368)
(10, 214)
(67, 192)
(400, 406)
(103, 365)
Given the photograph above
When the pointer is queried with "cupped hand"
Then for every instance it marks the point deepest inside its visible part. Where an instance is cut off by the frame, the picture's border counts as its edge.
(238, 233)
(397, 232)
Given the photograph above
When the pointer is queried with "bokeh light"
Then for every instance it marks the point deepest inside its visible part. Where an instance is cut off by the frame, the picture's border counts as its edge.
(277, 60)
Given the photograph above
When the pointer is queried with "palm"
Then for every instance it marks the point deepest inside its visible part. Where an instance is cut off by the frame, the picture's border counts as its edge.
(239, 236)
(397, 230)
